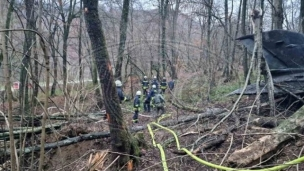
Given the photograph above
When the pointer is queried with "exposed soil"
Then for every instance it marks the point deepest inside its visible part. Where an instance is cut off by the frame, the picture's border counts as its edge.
(76, 156)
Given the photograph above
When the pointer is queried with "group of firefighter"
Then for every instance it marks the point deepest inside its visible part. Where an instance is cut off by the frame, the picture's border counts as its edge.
(153, 97)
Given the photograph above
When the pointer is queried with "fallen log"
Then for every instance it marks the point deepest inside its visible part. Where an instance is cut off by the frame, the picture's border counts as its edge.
(65, 142)
(187, 108)
(29, 130)
(96, 135)
(269, 144)
(184, 119)
(212, 142)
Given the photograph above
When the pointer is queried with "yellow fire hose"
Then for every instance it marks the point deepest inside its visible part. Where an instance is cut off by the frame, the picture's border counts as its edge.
(189, 153)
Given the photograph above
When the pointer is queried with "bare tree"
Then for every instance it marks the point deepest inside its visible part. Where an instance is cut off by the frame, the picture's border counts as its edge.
(53, 27)
(277, 14)
(80, 50)
(173, 39)
(7, 70)
(163, 13)
(67, 20)
(122, 38)
(210, 70)
(227, 70)
(122, 141)
(27, 46)
(243, 30)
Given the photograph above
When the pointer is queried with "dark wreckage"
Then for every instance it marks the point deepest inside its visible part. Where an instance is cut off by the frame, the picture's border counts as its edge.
(284, 54)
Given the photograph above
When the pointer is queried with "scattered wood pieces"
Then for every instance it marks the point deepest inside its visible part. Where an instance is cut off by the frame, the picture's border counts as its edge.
(130, 165)
(96, 161)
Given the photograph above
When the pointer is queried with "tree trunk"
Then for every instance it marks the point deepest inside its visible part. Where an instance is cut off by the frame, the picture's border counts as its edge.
(243, 29)
(35, 77)
(66, 31)
(256, 17)
(7, 72)
(8, 24)
(277, 14)
(173, 37)
(235, 36)
(189, 40)
(164, 12)
(46, 56)
(209, 60)
(80, 52)
(55, 60)
(24, 76)
(122, 38)
(302, 16)
(226, 46)
(122, 141)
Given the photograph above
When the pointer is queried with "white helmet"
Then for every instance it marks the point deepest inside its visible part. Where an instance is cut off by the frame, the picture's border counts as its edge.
(118, 83)
(154, 77)
(138, 93)
(153, 86)
(145, 77)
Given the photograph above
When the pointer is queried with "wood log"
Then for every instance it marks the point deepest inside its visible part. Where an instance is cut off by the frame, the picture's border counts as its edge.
(29, 130)
(96, 135)
(187, 108)
(65, 142)
(269, 144)
(184, 119)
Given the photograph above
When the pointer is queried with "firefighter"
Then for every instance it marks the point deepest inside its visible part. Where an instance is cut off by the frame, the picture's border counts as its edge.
(171, 85)
(136, 106)
(163, 85)
(155, 82)
(145, 85)
(148, 99)
(159, 102)
(120, 93)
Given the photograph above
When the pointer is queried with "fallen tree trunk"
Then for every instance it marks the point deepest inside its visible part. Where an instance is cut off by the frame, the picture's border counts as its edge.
(187, 108)
(55, 116)
(267, 145)
(29, 130)
(209, 113)
(96, 135)
(65, 142)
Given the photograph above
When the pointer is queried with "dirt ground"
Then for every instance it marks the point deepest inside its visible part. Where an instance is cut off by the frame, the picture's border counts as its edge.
(76, 157)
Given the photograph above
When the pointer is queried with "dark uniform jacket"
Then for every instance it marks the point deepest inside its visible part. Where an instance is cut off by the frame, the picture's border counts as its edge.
(163, 84)
(155, 82)
(171, 85)
(151, 95)
(136, 104)
(120, 94)
(145, 84)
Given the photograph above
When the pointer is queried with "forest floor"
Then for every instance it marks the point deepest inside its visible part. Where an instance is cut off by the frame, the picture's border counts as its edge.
(213, 147)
